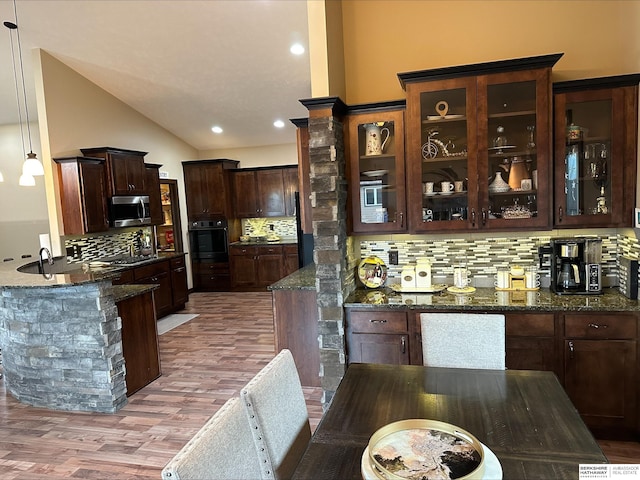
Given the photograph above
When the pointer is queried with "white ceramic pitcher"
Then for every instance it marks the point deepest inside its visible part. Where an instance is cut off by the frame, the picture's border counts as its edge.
(374, 145)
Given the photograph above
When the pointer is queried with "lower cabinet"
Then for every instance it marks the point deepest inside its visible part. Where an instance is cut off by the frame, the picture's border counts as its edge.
(171, 277)
(377, 337)
(601, 371)
(209, 276)
(595, 356)
(531, 342)
(139, 341)
(256, 267)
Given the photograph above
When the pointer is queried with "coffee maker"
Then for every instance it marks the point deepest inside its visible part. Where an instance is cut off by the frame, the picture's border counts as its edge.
(575, 266)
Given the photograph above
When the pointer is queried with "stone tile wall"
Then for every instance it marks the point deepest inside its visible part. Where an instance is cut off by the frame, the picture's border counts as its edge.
(62, 347)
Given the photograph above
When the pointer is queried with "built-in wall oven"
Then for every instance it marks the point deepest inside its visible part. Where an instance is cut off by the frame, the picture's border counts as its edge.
(208, 240)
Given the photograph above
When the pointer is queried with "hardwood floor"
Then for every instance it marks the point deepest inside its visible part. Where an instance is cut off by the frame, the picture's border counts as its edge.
(204, 362)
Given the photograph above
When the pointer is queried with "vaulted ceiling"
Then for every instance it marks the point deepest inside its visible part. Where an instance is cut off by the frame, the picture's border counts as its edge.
(185, 64)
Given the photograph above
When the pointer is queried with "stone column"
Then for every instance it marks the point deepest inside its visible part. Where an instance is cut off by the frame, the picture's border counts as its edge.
(328, 202)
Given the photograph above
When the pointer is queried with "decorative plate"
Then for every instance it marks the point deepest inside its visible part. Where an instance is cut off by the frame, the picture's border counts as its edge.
(421, 448)
(372, 272)
(453, 289)
(375, 173)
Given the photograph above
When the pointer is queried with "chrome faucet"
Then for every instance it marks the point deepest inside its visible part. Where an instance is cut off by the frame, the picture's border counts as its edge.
(41, 260)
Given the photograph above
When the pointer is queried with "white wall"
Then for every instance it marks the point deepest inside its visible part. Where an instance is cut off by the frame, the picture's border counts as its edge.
(23, 210)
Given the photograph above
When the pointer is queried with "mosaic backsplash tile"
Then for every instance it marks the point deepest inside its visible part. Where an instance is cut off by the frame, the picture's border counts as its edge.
(284, 227)
(105, 245)
(483, 256)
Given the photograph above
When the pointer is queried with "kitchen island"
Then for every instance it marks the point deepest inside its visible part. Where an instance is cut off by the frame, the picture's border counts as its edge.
(63, 337)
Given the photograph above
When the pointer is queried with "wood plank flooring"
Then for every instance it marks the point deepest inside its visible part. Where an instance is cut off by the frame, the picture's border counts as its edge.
(204, 362)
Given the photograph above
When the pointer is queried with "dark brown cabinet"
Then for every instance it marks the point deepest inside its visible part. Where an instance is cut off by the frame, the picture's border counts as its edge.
(377, 337)
(171, 277)
(601, 371)
(291, 260)
(211, 276)
(126, 169)
(264, 192)
(596, 138)
(179, 288)
(139, 341)
(152, 182)
(206, 188)
(531, 342)
(83, 195)
(255, 267)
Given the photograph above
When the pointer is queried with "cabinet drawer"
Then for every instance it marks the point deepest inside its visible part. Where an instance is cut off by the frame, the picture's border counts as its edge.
(290, 249)
(126, 276)
(530, 325)
(177, 263)
(234, 250)
(378, 322)
(270, 250)
(600, 326)
(151, 270)
(209, 268)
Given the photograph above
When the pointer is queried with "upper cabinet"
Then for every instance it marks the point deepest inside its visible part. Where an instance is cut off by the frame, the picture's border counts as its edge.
(125, 169)
(83, 195)
(152, 182)
(206, 187)
(479, 146)
(376, 169)
(596, 125)
(262, 192)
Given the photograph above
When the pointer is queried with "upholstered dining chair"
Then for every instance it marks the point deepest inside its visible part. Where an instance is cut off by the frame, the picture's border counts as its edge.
(275, 406)
(223, 449)
(463, 340)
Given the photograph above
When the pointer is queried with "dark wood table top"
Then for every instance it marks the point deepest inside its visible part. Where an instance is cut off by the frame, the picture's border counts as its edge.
(524, 417)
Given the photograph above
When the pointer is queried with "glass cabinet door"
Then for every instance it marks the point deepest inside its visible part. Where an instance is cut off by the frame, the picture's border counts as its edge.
(514, 147)
(442, 140)
(376, 172)
(589, 171)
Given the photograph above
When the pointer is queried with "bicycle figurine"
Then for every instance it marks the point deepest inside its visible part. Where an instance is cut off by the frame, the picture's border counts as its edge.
(433, 146)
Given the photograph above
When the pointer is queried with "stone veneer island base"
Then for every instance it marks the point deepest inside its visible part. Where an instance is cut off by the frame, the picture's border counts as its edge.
(62, 346)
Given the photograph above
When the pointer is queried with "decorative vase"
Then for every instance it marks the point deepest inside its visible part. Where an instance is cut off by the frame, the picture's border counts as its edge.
(498, 184)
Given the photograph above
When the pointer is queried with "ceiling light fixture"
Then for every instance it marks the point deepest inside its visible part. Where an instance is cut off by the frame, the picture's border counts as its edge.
(32, 166)
(278, 124)
(216, 129)
(297, 49)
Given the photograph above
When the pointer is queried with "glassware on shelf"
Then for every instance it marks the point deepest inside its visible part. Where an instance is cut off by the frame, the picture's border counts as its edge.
(500, 141)
(599, 174)
(531, 144)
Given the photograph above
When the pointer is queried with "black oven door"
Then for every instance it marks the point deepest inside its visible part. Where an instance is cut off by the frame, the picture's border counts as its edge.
(209, 244)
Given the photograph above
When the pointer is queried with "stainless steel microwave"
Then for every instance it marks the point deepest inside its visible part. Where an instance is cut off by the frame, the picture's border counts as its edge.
(129, 211)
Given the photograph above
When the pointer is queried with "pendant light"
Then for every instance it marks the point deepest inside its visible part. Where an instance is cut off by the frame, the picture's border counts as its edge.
(32, 166)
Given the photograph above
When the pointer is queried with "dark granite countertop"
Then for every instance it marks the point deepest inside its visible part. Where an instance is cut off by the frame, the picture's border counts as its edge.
(282, 241)
(488, 299)
(70, 273)
(123, 292)
(303, 279)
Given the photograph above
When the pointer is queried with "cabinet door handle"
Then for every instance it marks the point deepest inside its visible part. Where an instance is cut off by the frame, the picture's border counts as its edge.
(560, 213)
(473, 217)
(377, 321)
(484, 217)
(401, 220)
(597, 326)
(571, 350)
(403, 342)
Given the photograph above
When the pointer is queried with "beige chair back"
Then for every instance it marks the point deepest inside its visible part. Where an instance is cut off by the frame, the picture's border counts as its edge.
(463, 340)
(275, 406)
(223, 449)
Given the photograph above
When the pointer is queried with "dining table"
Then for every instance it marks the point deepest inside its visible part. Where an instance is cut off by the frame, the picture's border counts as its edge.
(523, 417)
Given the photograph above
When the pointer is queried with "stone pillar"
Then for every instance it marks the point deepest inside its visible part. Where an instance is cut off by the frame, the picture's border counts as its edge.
(62, 347)
(328, 204)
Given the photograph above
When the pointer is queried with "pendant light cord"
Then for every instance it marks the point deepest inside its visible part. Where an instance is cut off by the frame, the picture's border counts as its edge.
(24, 88)
(15, 77)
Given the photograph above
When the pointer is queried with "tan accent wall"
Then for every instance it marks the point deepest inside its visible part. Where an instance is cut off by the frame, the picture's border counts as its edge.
(385, 37)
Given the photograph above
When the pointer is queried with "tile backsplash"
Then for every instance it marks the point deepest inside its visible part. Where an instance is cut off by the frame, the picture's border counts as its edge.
(483, 256)
(104, 245)
(284, 227)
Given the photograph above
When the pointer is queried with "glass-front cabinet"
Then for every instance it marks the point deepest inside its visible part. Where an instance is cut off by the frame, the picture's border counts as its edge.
(479, 146)
(376, 173)
(595, 151)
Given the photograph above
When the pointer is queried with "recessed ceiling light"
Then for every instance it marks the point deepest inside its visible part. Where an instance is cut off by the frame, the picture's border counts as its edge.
(216, 129)
(297, 49)
(278, 124)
